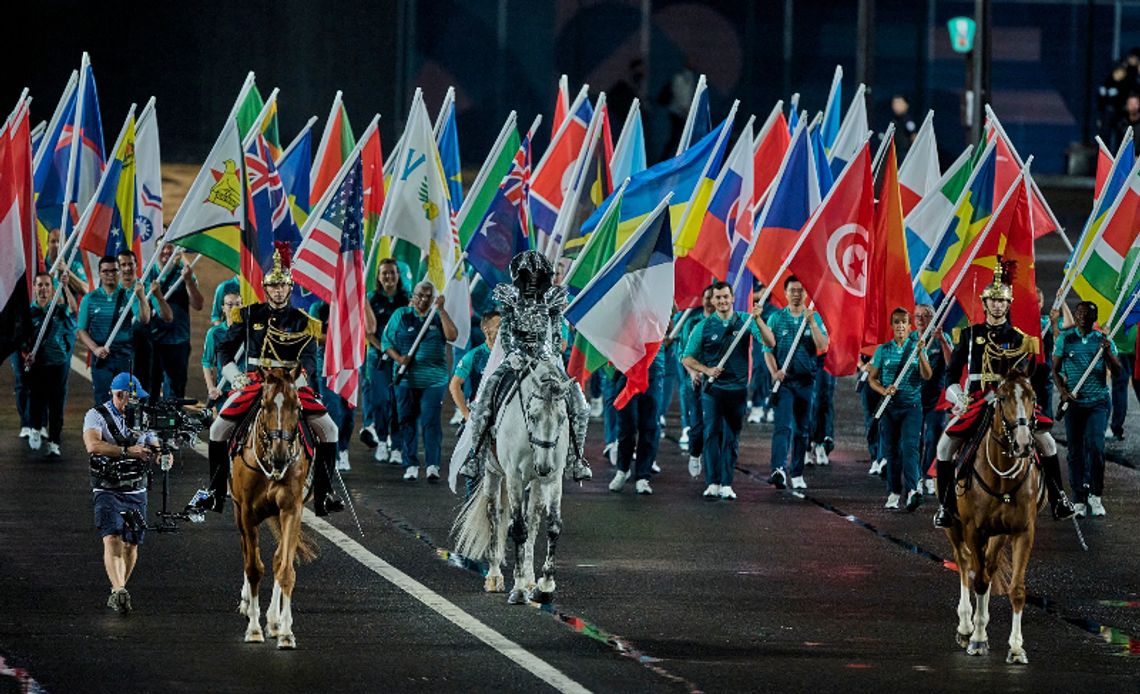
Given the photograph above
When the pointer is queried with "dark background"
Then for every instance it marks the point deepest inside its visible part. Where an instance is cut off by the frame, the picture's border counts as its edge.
(1049, 56)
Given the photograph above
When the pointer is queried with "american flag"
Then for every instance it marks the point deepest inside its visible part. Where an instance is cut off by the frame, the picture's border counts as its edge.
(331, 265)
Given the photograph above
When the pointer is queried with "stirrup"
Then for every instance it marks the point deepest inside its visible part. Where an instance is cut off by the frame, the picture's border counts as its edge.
(1062, 508)
(944, 518)
(331, 503)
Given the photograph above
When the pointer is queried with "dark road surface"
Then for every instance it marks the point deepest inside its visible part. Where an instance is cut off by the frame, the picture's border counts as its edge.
(820, 591)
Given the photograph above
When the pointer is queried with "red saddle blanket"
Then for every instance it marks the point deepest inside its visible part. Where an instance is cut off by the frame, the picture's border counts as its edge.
(251, 394)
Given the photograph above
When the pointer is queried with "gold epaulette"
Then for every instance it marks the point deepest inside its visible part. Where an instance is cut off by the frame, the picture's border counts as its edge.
(313, 328)
(1029, 345)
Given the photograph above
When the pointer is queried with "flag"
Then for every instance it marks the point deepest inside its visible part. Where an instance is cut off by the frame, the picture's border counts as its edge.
(1009, 164)
(148, 226)
(448, 142)
(588, 189)
(330, 264)
(727, 223)
(698, 122)
(372, 160)
(561, 106)
(629, 152)
(852, 132)
(832, 262)
(829, 129)
(248, 107)
(887, 263)
(771, 145)
(337, 142)
(1115, 180)
(624, 311)
(214, 208)
(502, 234)
(927, 220)
(270, 218)
(792, 199)
(498, 162)
(919, 172)
(1104, 161)
(823, 172)
(107, 225)
(16, 226)
(547, 191)
(294, 167)
(973, 209)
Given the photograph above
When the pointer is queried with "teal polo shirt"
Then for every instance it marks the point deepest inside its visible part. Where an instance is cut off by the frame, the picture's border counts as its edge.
(784, 326)
(1076, 352)
(889, 359)
(708, 341)
(429, 365)
(97, 315)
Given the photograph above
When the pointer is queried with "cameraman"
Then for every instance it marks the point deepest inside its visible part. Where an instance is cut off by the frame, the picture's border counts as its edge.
(120, 460)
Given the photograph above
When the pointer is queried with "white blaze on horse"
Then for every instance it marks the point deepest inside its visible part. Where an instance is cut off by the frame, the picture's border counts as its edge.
(268, 483)
(998, 496)
(527, 449)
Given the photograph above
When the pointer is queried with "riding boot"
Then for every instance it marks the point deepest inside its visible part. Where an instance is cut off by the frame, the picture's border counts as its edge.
(948, 507)
(1055, 489)
(325, 501)
(215, 497)
(579, 410)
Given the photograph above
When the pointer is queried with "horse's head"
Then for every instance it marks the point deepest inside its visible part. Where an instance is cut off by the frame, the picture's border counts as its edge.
(276, 428)
(1014, 407)
(547, 418)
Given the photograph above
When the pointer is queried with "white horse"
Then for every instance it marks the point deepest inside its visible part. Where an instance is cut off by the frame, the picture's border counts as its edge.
(527, 450)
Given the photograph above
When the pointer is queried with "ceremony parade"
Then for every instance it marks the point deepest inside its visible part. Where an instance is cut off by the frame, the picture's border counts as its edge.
(571, 345)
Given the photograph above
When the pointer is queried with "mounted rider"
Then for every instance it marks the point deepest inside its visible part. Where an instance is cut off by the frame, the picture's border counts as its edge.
(531, 328)
(273, 334)
(990, 351)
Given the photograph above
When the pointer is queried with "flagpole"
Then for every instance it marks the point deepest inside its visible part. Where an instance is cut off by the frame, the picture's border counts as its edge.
(953, 213)
(860, 91)
(488, 163)
(570, 201)
(251, 136)
(1099, 353)
(56, 115)
(611, 210)
(881, 153)
(448, 100)
(561, 128)
(948, 298)
(795, 344)
(122, 317)
(73, 152)
(725, 127)
(178, 282)
(835, 81)
(795, 248)
(691, 116)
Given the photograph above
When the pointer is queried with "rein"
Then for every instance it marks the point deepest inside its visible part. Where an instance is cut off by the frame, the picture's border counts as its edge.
(1005, 442)
(265, 437)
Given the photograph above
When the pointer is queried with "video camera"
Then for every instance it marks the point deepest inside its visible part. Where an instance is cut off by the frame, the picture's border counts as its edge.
(169, 419)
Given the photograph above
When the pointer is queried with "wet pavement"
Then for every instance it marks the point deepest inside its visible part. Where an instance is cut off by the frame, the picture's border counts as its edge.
(822, 590)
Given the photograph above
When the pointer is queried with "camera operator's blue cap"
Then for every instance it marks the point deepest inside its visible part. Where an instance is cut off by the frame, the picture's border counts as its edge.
(125, 381)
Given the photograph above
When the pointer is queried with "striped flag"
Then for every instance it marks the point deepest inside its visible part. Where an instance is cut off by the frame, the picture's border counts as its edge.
(330, 264)
(919, 172)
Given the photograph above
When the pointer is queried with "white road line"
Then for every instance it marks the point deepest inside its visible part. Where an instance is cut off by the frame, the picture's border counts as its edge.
(448, 610)
(520, 656)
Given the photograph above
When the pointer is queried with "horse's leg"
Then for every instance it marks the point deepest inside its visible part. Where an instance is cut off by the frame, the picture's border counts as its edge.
(286, 572)
(534, 512)
(545, 589)
(1022, 546)
(979, 642)
(965, 608)
(254, 570)
(517, 530)
(273, 614)
(492, 489)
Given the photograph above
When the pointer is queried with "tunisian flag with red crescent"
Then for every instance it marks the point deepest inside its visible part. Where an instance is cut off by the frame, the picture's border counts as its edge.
(832, 262)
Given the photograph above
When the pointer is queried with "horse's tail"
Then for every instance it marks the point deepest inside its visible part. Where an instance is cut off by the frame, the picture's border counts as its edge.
(472, 527)
(307, 549)
(1001, 570)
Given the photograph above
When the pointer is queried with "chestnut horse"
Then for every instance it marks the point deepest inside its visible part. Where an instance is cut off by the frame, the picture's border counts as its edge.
(998, 498)
(268, 483)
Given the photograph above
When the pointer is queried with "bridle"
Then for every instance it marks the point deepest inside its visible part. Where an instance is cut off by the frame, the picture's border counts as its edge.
(1006, 443)
(267, 435)
(524, 406)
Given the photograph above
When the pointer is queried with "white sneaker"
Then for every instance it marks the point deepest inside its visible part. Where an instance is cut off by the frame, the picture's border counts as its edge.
(1095, 505)
(368, 436)
(613, 454)
(683, 441)
(655, 467)
(695, 465)
(661, 421)
(877, 466)
(643, 487)
(618, 481)
(756, 414)
(395, 457)
(913, 499)
(930, 486)
(381, 454)
(412, 473)
(456, 418)
(799, 483)
(1081, 509)
(25, 432)
(712, 491)
(809, 459)
(727, 493)
(53, 450)
(769, 415)
(342, 463)
(892, 501)
(35, 439)
(432, 473)
(596, 408)
(821, 455)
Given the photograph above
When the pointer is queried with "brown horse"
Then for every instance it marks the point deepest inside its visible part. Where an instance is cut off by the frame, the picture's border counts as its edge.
(998, 500)
(268, 483)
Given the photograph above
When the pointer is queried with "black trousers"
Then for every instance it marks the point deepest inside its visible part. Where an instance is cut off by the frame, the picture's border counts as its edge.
(169, 361)
(48, 386)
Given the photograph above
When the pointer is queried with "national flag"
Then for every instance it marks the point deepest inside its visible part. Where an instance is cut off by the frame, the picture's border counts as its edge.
(107, 225)
(888, 263)
(502, 234)
(447, 139)
(698, 122)
(336, 143)
(928, 219)
(624, 311)
(17, 216)
(372, 160)
(771, 145)
(294, 166)
(561, 106)
(44, 163)
(547, 190)
(823, 171)
(919, 172)
(270, 218)
(629, 151)
(585, 359)
(1009, 164)
(829, 129)
(975, 205)
(495, 166)
(590, 185)
(1115, 180)
(852, 132)
(727, 224)
(330, 264)
(214, 208)
(1104, 161)
(831, 263)
(248, 107)
(148, 224)
(790, 203)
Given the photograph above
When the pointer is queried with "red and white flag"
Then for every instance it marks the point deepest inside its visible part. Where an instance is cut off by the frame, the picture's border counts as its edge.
(16, 204)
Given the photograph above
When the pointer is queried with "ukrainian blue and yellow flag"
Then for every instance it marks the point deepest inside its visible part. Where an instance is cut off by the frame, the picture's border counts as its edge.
(973, 211)
(448, 143)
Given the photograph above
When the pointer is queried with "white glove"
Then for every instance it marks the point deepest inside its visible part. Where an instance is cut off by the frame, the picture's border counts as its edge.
(237, 378)
(957, 398)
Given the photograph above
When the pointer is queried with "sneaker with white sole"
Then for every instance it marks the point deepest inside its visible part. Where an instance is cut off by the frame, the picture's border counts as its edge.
(618, 481)
(821, 455)
(53, 450)
(595, 408)
(770, 415)
(655, 467)
(1081, 509)
(712, 491)
(35, 439)
(930, 486)
(642, 487)
(809, 459)
(756, 414)
(342, 463)
(694, 466)
(683, 440)
(1096, 506)
(395, 456)
(456, 418)
(661, 421)
(432, 473)
(25, 432)
(877, 466)
(381, 454)
(368, 436)
(913, 499)
(799, 483)
(614, 454)
(892, 501)
(412, 473)
(727, 493)
(778, 479)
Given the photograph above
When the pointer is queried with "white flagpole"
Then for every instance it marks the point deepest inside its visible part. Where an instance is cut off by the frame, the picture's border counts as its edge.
(795, 345)
(570, 201)
(690, 119)
(488, 163)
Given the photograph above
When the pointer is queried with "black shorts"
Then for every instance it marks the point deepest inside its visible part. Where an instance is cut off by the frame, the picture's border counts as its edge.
(109, 509)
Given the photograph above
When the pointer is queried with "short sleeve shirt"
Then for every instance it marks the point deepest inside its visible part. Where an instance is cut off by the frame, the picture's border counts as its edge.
(1076, 352)
(889, 359)
(784, 328)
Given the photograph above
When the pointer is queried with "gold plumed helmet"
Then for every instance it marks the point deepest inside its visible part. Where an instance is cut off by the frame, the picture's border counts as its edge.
(282, 272)
(1002, 286)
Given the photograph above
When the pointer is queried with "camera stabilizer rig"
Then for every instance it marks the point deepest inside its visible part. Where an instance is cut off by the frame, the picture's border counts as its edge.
(176, 424)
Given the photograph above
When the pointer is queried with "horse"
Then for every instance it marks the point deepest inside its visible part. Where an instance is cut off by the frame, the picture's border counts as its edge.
(522, 483)
(268, 479)
(998, 498)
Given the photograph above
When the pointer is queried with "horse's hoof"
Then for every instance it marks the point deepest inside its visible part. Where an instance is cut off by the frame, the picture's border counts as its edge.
(254, 637)
(493, 585)
(963, 640)
(286, 642)
(978, 648)
(517, 597)
(1017, 658)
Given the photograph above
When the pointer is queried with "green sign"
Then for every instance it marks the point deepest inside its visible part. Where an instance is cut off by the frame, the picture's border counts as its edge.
(961, 34)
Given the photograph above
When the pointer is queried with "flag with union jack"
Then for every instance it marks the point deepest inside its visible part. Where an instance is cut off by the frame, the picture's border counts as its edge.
(270, 217)
(330, 264)
(503, 231)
